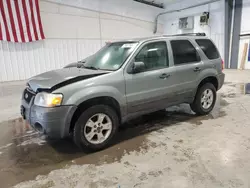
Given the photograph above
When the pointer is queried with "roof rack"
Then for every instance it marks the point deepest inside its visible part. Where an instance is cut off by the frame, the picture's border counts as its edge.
(187, 34)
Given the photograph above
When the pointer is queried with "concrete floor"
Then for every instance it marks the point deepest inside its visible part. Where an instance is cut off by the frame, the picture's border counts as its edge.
(164, 149)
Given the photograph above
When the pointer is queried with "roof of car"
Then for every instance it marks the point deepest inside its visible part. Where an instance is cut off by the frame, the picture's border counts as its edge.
(145, 39)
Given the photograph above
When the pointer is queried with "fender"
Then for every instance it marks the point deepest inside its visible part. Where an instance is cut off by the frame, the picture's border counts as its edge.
(96, 91)
(207, 73)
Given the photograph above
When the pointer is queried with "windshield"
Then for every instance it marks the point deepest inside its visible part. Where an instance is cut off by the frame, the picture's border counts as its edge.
(111, 56)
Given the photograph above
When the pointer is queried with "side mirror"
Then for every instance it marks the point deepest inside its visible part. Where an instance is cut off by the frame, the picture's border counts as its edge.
(138, 67)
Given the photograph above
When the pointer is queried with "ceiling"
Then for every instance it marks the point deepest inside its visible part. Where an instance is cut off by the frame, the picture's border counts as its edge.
(164, 2)
(167, 2)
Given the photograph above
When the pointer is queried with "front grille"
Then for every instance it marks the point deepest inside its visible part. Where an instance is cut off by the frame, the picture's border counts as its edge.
(28, 95)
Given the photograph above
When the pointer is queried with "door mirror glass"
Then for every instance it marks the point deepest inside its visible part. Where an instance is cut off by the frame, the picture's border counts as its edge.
(138, 67)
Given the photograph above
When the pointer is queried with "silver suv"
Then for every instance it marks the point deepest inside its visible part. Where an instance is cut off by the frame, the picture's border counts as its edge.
(88, 100)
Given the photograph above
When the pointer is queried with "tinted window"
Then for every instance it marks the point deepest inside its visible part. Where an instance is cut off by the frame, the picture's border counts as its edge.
(208, 48)
(154, 55)
(184, 52)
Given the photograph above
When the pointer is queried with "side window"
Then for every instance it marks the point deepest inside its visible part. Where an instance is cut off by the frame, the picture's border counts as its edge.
(184, 52)
(208, 48)
(154, 55)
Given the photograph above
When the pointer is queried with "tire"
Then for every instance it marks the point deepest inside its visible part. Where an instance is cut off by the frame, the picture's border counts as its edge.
(80, 136)
(198, 106)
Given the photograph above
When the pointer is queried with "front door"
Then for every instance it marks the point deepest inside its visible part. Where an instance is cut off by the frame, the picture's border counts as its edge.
(150, 89)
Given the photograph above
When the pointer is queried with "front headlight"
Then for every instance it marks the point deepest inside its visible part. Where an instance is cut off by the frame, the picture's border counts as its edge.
(48, 99)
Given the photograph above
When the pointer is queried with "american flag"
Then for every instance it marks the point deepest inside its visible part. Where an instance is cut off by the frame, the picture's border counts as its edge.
(20, 21)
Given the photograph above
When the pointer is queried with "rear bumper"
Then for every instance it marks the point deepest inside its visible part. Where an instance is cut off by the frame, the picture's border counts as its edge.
(54, 122)
(221, 79)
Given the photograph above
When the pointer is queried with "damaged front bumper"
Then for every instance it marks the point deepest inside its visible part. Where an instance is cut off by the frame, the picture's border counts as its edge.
(54, 122)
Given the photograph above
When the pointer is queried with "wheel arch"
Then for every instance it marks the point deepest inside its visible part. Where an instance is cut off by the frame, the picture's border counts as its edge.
(209, 79)
(105, 100)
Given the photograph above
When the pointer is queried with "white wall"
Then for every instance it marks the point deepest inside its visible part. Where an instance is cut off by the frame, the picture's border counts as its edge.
(126, 8)
(73, 33)
(245, 28)
(215, 30)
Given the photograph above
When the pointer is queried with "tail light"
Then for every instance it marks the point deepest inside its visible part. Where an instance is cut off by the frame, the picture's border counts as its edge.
(222, 64)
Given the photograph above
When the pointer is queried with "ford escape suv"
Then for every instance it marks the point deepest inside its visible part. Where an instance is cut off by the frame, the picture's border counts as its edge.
(125, 79)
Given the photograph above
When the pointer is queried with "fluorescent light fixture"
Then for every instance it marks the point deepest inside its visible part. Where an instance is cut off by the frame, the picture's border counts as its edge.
(151, 3)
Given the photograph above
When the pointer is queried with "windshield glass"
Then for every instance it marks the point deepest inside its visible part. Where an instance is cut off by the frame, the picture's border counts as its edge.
(111, 56)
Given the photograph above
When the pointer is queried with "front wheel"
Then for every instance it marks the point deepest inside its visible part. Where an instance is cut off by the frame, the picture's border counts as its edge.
(96, 127)
(204, 100)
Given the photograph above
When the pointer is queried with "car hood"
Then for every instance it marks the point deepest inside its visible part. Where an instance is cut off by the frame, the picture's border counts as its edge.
(58, 78)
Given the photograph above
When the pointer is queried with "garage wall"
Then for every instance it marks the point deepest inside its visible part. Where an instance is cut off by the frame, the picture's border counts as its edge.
(245, 26)
(216, 28)
(125, 8)
(74, 32)
(245, 29)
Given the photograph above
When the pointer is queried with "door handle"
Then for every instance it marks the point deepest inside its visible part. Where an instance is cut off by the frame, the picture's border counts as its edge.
(164, 76)
(197, 69)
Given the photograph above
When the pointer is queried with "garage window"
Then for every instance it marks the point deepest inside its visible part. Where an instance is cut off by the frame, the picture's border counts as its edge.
(208, 48)
(184, 52)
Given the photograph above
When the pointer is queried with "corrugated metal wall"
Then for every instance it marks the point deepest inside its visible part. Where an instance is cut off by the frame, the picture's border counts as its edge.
(72, 33)
(19, 61)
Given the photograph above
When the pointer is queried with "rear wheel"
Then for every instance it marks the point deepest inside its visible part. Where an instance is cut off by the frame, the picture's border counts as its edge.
(95, 128)
(204, 100)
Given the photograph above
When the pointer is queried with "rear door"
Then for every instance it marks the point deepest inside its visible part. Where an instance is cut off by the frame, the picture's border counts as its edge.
(213, 59)
(188, 66)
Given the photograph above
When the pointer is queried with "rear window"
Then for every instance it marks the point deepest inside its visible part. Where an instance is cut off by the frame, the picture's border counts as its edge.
(208, 48)
(184, 52)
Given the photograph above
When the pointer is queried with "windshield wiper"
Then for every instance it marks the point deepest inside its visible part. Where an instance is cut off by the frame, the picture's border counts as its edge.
(80, 64)
(90, 67)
